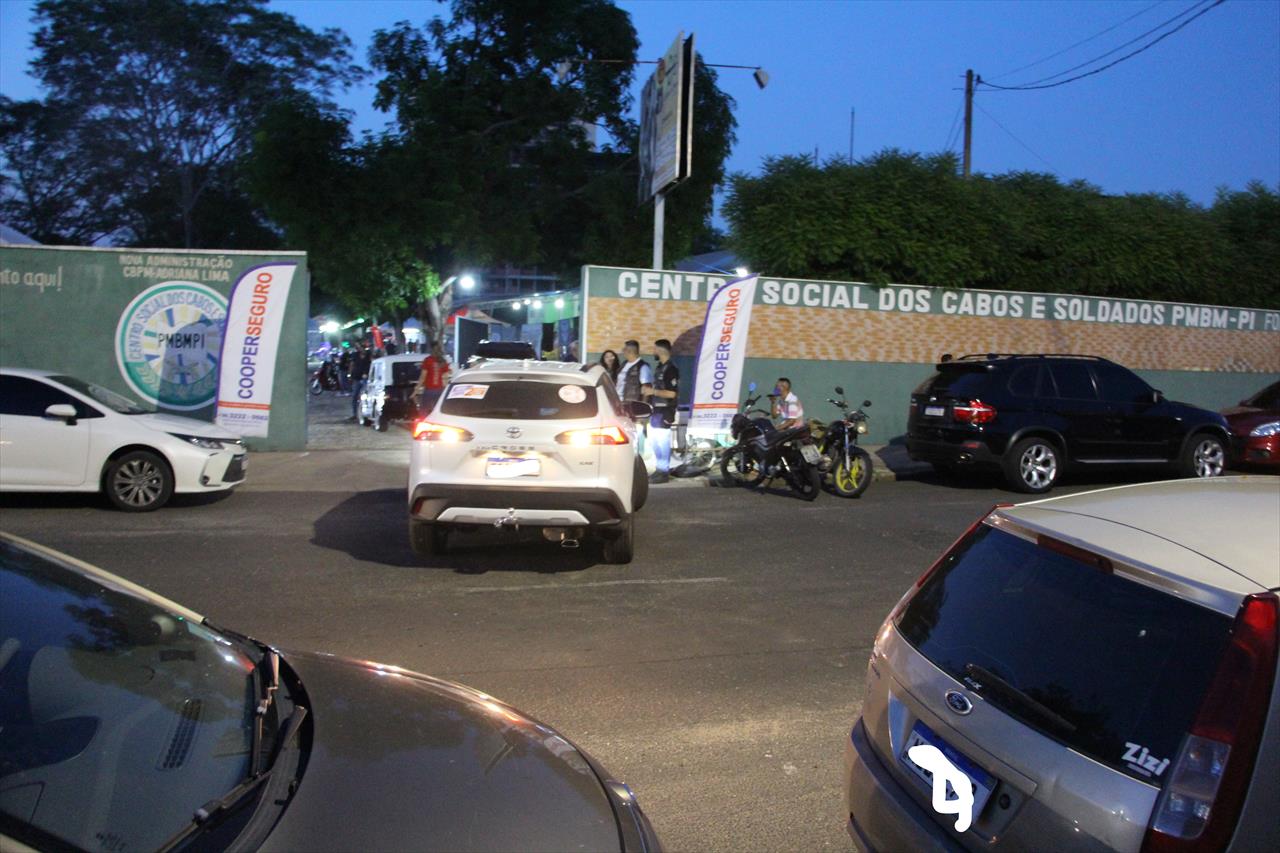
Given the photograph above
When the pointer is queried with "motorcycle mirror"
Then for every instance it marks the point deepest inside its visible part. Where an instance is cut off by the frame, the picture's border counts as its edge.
(866, 404)
(751, 387)
(839, 390)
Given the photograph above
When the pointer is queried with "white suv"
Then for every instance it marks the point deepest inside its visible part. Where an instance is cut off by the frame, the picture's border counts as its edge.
(514, 444)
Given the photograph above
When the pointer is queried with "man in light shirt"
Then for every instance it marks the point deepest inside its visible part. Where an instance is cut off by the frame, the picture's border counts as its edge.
(786, 405)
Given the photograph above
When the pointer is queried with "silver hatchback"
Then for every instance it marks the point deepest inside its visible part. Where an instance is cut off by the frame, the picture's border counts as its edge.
(1098, 670)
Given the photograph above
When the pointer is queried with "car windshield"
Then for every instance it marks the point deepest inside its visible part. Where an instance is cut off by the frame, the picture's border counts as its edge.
(1122, 667)
(522, 400)
(118, 718)
(116, 402)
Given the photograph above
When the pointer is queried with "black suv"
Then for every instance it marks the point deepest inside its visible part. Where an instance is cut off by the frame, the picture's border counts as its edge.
(1031, 415)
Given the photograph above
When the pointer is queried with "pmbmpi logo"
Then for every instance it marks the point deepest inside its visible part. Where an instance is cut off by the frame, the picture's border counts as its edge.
(168, 341)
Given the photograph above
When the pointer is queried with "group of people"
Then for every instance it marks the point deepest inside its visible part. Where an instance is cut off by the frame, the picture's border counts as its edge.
(658, 385)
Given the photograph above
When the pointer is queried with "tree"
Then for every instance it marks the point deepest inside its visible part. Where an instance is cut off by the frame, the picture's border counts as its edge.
(909, 218)
(489, 159)
(165, 95)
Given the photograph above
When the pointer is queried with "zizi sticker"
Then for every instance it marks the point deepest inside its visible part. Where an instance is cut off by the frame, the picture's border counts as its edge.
(468, 392)
(572, 394)
(1142, 761)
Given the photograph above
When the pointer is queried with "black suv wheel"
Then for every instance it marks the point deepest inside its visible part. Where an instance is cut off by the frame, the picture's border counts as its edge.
(1033, 465)
(1204, 456)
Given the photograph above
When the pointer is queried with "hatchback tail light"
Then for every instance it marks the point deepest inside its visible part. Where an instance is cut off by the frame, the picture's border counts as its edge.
(973, 412)
(598, 435)
(427, 431)
(1206, 788)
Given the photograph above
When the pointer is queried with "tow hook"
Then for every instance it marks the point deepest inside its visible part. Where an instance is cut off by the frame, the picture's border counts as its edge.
(508, 520)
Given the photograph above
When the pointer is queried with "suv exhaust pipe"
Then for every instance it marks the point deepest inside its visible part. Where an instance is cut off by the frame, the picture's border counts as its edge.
(568, 537)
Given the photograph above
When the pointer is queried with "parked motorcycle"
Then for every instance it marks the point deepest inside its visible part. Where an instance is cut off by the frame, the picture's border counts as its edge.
(762, 452)
(324, 379)
(850, 465)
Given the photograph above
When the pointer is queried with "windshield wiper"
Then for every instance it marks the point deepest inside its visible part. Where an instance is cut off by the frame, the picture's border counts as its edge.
(984, 678)
(278, 789)
(268, 684)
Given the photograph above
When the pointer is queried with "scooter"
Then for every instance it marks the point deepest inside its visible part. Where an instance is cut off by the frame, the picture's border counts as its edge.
(324, 379)
(762, 453)
(850, 465)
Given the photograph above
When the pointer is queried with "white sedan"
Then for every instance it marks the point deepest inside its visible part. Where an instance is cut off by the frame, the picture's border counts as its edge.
(62, 434)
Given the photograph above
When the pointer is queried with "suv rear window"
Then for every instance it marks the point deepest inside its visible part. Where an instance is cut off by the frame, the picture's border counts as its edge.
(521, 400)
(1121, 665)
(968, 382)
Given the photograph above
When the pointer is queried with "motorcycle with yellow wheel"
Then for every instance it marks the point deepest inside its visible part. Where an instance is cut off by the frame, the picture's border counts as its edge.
(850, 467)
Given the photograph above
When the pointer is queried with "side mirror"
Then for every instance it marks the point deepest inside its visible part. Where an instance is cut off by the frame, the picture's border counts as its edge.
(866, 404)
(839, 390)
(751, 388)
(62, 412)
(639, 409)
(1156, 396)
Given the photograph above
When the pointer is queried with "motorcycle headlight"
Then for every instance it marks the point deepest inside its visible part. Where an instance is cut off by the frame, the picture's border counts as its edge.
(1264, 430)
(199, 441)
(862, 428)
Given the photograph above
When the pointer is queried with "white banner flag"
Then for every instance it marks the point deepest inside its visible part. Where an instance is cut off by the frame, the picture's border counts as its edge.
(718, 375)
(247, 366)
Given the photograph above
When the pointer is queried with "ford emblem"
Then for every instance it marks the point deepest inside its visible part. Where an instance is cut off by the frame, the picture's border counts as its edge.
(958, 702)
(513, 432)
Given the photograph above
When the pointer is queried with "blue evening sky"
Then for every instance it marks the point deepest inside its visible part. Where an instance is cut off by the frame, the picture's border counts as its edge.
(1197, 111)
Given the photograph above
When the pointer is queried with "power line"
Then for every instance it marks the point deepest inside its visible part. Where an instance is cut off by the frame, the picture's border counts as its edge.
(1081, 42)
(952, 133)
(1112, 64)
(1016, 139)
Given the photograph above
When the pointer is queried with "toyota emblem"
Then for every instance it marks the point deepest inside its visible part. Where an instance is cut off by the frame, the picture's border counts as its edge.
(513, 432)
(958, 702)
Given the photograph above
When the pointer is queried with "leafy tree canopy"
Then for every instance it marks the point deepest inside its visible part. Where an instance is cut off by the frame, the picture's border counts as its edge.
(154, 103)
(909, 218)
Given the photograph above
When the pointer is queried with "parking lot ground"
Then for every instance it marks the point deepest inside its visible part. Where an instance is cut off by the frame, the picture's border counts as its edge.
(718, 674)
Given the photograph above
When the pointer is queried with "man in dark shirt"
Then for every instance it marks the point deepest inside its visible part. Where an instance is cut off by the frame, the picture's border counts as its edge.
(662, 396)
(360, 360)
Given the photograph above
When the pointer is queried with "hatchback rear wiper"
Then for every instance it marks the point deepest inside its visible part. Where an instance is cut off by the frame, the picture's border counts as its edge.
(982, 678)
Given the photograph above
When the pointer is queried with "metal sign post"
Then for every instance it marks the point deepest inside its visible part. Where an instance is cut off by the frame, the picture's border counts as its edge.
(659, 212)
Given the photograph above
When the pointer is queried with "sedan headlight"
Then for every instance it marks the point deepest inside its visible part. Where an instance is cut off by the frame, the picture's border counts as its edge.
(1264, 430)
(199, 441)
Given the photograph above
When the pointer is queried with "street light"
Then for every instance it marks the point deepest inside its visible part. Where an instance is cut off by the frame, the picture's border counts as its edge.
(329, 328)
(559, 303)
(516, 304)
(467, 282)
(527, 301)
(537, 303)
(742, 272)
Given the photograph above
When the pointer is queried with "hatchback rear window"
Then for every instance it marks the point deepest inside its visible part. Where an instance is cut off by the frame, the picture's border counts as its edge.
(1114, 669)
(521, 400)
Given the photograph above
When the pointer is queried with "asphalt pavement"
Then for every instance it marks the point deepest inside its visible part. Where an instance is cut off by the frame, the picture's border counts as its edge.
(718, 674)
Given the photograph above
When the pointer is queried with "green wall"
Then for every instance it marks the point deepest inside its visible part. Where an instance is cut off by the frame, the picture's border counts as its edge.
(889, 386)
(61, 308)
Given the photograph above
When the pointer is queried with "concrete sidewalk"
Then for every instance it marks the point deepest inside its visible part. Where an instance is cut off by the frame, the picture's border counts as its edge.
(361, 470)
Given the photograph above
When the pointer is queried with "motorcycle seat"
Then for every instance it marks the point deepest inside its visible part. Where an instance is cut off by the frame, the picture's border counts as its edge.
(787, 435)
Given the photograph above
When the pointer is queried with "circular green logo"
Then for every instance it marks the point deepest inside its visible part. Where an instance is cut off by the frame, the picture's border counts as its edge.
(168, 342)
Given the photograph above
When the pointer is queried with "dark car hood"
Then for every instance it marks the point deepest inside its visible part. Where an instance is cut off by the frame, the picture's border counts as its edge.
(1242, 419)
(403, 761)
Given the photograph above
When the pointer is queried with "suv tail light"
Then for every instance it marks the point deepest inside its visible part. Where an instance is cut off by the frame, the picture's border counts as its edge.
(1206, 788)
(973, 412)
(427, 431)
(598, 435)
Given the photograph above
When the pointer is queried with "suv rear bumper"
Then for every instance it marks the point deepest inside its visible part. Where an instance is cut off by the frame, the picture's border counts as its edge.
(532, 506)
(881, 815)
(957, 450)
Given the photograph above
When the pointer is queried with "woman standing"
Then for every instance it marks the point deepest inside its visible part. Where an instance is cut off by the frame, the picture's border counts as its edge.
(609, 361)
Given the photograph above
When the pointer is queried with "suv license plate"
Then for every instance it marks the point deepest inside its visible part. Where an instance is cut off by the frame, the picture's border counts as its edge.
(983, 782)
(810, 454)
(934, 411)
(508, 468)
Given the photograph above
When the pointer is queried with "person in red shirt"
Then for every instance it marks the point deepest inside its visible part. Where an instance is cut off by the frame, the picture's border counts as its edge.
(435, 373)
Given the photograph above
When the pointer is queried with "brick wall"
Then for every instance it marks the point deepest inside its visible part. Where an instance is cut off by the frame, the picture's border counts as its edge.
(824, 334)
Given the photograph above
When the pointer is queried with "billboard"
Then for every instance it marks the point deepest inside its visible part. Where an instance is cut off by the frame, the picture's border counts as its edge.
(184, 331)
(666, 121)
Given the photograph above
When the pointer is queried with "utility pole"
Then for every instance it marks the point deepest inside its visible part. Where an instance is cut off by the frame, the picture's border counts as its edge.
(659, 227)
(968, 120)
(853, 113)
